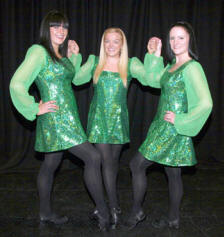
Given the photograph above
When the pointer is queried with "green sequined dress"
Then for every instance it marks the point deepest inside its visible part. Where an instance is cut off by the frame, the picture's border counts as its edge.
(184, 92)
(58, 130)
(108, 120)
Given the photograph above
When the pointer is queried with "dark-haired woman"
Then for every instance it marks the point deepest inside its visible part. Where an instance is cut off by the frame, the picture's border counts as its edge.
(58, 123)
(184, 106)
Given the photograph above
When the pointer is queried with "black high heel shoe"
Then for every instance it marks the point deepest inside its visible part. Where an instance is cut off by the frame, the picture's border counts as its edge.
(55, 219)
(133, 220)
(103, 222)
(114, 216)
(164, 222)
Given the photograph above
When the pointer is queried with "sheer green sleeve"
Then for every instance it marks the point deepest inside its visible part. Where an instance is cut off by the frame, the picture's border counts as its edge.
(154, 70)
(85, 72)
(76, 60)
(23, 78)
(137, 70)
(199, 101)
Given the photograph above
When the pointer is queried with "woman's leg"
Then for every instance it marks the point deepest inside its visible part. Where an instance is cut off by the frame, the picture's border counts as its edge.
(93, 177)
(110, 165)
(138, 166)
(44, 183)
(175, 191)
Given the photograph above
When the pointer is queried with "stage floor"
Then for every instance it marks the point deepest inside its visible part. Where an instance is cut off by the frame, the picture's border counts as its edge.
(202, 209)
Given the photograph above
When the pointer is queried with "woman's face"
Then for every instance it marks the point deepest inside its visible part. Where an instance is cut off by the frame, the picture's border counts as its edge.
(58, 34)
(179, 40)
(113, 44)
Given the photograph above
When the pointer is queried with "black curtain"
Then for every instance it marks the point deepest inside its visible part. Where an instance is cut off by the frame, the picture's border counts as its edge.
(140, 19)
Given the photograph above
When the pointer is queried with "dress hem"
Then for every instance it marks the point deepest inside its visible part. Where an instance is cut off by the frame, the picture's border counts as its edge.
(105, 142)
(166, 164)
(62, 149)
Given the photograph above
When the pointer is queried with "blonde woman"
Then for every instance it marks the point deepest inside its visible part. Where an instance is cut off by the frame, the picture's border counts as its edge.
(108, 122)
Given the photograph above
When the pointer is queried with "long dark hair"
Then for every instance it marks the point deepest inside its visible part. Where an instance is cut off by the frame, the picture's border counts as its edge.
(53, 18)
(192, 49)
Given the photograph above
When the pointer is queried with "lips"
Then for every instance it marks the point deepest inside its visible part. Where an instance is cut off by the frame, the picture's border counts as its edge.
(60, 36)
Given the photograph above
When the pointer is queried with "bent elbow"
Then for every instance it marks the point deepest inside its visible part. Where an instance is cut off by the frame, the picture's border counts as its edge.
(13, 86)
(207, 105)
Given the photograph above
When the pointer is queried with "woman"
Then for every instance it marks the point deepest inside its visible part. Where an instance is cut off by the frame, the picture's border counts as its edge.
(184, 106)
(108, 122)
(58, 124)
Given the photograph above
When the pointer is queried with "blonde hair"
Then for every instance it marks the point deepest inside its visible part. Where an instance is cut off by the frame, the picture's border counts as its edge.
(123, 61)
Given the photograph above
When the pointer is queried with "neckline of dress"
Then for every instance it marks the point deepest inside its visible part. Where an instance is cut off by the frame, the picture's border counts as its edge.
(184, 64)
(109, 71)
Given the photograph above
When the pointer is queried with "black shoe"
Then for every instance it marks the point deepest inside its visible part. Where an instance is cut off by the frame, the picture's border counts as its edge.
(133, 220)
(164, 222)
(55, 219)
(103, 222)
(93, 215)
(114, 216)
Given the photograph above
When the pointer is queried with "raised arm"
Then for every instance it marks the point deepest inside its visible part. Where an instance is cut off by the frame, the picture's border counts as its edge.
(85, 72)
(137, 70)
(23, 78)
(153, 62)
(73, 54)
(199, 101)
(154, 68)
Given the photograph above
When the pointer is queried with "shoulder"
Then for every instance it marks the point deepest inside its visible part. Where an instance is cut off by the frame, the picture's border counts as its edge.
(193, 69)
(193, 65)
(36, 50)
(132, 61)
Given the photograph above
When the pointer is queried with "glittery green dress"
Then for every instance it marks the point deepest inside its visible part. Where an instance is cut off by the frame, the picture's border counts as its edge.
(55, 130)
(185, 92)
(108, 120)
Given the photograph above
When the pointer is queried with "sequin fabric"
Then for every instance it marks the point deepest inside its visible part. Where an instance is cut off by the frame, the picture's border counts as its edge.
(163, 144)
(62, 129)
(108, 120)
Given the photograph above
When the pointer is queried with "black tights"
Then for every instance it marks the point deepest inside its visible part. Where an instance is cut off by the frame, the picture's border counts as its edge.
(110, 165)
(138, 166)
(92, 176)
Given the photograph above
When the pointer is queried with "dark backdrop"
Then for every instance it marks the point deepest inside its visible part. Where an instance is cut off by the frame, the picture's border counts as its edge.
(140, 19)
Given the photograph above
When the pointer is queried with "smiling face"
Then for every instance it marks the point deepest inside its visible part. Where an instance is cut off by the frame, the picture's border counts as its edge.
(58, 34)
(113, 44)
(179, 41)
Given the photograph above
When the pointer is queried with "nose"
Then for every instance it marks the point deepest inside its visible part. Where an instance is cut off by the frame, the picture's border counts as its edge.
(110, 44)
(177, 40)
(61, 29)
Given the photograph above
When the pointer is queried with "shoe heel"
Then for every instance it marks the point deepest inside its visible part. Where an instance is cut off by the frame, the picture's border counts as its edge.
(135, 220)
(114, 217)
(174, 224)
